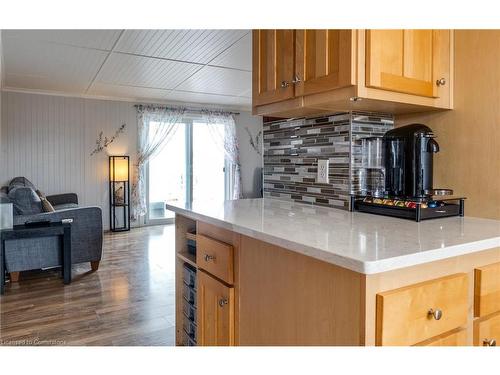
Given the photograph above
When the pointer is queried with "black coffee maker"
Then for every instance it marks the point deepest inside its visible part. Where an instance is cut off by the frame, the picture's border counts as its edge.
(409, 154)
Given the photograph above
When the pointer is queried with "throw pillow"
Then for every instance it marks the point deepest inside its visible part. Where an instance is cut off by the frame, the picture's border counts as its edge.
(46, 205)
(22, 182)
(25, 201)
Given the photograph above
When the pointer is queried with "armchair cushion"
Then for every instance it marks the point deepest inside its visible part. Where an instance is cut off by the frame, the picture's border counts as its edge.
(63, 199)
(65, 206)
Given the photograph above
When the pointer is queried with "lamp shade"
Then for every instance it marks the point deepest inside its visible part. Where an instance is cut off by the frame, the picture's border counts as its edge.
(118, 168)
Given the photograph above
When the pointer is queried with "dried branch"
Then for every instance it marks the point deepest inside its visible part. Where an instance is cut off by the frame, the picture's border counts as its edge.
(255, 141)
(101, 145)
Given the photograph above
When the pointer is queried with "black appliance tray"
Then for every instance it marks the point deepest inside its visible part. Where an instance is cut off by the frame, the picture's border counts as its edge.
(417, 214)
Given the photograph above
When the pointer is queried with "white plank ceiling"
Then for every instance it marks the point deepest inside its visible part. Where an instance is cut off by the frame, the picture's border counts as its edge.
(194, 66)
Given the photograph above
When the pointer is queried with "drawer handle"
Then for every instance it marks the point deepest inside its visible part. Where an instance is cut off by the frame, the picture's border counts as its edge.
(441, 82)
(223, 301)
(436, 314)
(208, 258)
(489, 342)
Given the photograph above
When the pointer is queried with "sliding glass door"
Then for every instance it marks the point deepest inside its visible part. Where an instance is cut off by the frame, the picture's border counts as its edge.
(208, 167)
(189, 169)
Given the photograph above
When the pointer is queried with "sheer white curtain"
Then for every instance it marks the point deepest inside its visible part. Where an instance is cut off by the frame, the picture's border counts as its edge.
(223, 130)
(149, 144)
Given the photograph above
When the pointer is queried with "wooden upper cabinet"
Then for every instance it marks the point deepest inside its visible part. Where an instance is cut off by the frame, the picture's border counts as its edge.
(408, 61)
(215, 304)
(323, 60)
(273, 66)
(309, 72)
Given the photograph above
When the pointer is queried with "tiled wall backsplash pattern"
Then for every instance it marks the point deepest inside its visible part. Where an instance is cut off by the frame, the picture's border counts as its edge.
(292, 149)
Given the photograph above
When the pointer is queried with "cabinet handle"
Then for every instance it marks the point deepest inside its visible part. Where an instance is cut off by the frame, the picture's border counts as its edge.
(436, 314)
(285, 84)
(441, 82)
(208, 258)
(223, 301)
(296, 79)
(489, 342)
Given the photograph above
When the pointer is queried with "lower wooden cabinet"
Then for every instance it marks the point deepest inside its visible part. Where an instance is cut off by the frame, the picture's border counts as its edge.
(487, 290)
(215, 311)
(487, 331)
(457, 337)
(250, 292)
(412, 314)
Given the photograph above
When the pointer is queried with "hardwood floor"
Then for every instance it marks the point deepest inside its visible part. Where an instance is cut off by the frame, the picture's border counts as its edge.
(130, 300)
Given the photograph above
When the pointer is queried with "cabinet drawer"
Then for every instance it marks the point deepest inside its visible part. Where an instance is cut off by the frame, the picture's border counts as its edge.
(487, 331)
(487, 290)
(404, 315)
(215, 257)
(457, 337)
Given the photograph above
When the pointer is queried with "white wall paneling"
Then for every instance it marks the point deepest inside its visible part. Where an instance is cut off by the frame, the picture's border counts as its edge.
(1, 86)
(48, 139)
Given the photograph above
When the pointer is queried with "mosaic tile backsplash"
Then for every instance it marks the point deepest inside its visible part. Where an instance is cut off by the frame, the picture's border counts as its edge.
(292, 149)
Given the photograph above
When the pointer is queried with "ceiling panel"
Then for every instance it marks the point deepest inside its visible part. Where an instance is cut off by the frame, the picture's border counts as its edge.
(238, 56)
(105, 89)
(100, 39)
(68, 61)
(144, 71)
(33, 64)
(198, 46)
(214, 80)
(191, 97)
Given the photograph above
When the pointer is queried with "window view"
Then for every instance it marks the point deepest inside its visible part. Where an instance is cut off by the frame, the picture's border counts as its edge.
(190, 168)
(208, 166)
(167, 174)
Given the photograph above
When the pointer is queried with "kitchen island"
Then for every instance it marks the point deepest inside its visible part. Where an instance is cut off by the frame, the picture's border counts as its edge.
(272, 272)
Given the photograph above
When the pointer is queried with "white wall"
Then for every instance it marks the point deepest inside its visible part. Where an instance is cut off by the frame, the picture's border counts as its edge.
(1, 85)
(48, 139)
(251, 161)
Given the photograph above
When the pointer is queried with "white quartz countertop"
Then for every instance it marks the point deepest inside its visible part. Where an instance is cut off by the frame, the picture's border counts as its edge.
(361, 242)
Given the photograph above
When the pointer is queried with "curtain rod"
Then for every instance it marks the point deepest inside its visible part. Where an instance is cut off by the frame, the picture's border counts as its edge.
(191, 110)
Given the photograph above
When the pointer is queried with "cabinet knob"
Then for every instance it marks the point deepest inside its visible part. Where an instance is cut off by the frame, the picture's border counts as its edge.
(436, 314)
(223, 301)
(285, 84)
(296, 79)
(208, 258)
(489, 342)
(441, 82)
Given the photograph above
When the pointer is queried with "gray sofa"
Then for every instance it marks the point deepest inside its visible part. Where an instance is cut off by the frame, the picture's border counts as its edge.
(29, 254)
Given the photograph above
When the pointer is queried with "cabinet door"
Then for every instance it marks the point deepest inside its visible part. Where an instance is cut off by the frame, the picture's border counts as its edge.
(323, 60)
(215, 312)
(487, 331)
(408, 61)
(273, 66)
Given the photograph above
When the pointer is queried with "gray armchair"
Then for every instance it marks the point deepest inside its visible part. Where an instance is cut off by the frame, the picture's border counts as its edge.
(86, 237)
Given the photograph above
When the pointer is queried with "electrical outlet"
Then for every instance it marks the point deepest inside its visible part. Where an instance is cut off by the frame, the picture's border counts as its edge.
(322, 176)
